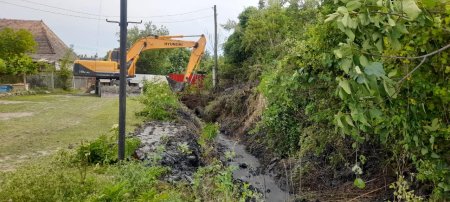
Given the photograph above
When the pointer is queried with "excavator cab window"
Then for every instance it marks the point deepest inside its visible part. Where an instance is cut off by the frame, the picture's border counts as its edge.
(115, 55)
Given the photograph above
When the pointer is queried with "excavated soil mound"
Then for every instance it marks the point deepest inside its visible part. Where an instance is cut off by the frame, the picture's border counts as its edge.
(172, 144)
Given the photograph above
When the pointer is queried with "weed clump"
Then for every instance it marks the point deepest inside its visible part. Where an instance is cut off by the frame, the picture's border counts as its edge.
(159, 101)
(216, 181)
(103, 150)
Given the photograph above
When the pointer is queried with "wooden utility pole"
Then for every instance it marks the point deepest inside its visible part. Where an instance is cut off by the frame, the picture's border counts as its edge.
(216, 63)
(123, 77)
(123, 23)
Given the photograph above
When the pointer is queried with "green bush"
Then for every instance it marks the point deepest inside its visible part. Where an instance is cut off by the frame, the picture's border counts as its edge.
(52, 181)
(209, 133)
(216, 182)
(104, 149)
(160, 103)
(59, 180)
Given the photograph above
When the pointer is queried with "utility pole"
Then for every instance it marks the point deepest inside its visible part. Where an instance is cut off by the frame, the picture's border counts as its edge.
(216, 63)
(123, 23)
(123, 77)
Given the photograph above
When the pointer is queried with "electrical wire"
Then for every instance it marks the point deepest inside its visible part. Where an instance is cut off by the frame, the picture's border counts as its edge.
(64, 9)
(187, 20)
(47, 11)
(97, 15)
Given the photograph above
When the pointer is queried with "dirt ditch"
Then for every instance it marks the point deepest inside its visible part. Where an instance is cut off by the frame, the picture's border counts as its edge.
(174, 144)
(249, 170)
(238, 109)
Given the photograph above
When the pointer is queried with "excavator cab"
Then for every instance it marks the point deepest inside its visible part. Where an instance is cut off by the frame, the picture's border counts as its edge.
(114, 55)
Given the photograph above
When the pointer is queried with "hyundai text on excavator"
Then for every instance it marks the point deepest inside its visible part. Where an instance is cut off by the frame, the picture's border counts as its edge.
(110, 69)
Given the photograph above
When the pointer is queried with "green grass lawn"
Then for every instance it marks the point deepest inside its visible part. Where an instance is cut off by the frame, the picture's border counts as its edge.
(57, 121)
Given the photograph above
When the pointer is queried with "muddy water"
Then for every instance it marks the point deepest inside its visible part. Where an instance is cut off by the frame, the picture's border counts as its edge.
(248, 170)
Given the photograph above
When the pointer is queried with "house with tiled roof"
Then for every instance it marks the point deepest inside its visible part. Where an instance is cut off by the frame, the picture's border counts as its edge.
(50, 48)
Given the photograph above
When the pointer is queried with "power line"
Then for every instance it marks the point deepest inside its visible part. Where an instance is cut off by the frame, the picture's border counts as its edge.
(169, 15)
(47, 11)
(187, 20)
(94, 18)
(64, 9)
(97, 15)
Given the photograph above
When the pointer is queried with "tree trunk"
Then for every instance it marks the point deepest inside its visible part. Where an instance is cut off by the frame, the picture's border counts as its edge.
(25, 81)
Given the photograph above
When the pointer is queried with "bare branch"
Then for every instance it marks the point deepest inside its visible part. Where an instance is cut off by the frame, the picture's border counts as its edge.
(415, 57)
(412, 71)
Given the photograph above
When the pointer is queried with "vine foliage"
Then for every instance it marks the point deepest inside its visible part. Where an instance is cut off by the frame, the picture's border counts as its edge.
(392, 89)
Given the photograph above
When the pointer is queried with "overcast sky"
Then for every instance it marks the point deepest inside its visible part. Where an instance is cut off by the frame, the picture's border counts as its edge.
(95, 35)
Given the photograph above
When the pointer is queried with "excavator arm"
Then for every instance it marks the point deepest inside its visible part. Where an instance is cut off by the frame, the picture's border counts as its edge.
(166, 42)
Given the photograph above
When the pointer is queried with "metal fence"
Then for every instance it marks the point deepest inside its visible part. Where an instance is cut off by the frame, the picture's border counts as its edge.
(83, 83)
(51, 81)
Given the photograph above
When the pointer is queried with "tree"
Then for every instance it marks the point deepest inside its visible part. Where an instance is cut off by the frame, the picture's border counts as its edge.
(13, 48)
(13, 43)
(65, 74)
(154, 61)
(161, 61)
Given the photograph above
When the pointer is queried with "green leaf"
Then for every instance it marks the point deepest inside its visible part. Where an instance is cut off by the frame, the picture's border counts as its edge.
(348, 119)
(391, 22)
(379, 45)
(434, 155)
(363, 19)
(431, 140)
(424, 151)
(435, 123)
(331, 17)
(389, 87)
(359, 183)
(366, 45)
(363, 61)
(353, 5)
(337, 117)
(380, 3)
(350, 34)
(410, 8)
(342, 10)
(346, 86)
(375, 68)
(338, 53)
(392, 73)
(346, 65)
(346, 20)
(416, 140)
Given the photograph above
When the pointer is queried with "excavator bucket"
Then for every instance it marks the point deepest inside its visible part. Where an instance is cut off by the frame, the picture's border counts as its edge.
(175, 85)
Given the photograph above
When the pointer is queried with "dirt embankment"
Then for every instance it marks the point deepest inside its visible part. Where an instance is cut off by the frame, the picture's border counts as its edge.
(238, 109)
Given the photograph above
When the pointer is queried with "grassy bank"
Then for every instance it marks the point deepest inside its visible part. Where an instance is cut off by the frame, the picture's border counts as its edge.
(50, 122)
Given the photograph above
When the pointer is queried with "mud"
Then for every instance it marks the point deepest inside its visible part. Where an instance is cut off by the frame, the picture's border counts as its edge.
(249, 170)
(172, 144)
(7, 116)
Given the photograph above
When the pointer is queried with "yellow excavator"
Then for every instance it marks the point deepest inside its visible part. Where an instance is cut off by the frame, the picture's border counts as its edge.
(110, 69)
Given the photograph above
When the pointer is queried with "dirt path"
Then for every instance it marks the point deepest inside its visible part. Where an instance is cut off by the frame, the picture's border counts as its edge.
(249, 170)
(7, 116)
(9, 163)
